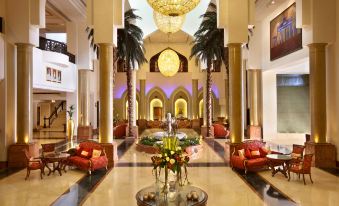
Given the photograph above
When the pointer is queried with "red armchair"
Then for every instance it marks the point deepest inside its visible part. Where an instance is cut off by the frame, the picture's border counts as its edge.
(33, 164)
(220, 131)
(85, 158)
(120, 131)
(254, 159)
(303, 167)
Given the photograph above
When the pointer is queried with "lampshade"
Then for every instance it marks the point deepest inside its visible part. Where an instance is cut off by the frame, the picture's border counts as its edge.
(168, 24)
(168, 63)
(173, 7)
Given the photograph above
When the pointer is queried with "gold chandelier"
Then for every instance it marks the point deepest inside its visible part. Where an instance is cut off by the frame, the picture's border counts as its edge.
(173, 7)
(168, 24)
(168, 63)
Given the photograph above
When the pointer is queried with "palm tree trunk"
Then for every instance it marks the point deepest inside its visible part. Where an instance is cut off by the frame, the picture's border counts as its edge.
(130, 103)
(209, 98)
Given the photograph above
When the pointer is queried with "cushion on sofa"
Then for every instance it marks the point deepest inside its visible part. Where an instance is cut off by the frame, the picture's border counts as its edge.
(86, 153)
(255, 154)
(96, 153)
(248, 153)
(241, 153)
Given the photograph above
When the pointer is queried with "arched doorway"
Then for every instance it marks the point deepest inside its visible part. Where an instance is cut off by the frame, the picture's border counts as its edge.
(156, 109)
(180, 106)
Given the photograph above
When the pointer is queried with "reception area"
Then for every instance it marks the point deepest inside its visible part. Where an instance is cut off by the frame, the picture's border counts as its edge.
(169, 102)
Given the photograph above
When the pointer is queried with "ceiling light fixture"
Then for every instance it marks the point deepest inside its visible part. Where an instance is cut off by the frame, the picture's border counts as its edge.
(168, 24)
(173, 7)
(168, 62)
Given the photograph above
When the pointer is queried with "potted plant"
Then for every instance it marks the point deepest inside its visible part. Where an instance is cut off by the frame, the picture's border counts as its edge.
(70, 122)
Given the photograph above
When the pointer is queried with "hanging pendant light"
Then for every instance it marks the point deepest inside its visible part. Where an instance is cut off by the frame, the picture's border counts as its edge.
(168, 63)
(168, 24)
(173, 7)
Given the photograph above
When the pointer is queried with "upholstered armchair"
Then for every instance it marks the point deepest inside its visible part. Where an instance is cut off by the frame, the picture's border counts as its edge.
(220, 131)
(33, 164)
(303, 167)
(297, 153)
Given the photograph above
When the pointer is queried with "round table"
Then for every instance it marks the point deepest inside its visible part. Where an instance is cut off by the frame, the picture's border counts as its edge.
(279, 163)
(59, 158)
(180, 198)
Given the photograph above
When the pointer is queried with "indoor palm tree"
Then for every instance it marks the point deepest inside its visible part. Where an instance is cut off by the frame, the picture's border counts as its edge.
(131, 50)
(209, 47)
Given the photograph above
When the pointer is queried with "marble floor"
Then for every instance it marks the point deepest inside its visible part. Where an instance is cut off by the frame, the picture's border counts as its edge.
(133, 171)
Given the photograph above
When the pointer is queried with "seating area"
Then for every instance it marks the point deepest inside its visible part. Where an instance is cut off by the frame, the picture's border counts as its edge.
(169, 102)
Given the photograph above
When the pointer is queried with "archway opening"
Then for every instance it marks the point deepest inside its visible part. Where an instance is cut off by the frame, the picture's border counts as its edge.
(201, 108)
(156, 111)
(180, 106)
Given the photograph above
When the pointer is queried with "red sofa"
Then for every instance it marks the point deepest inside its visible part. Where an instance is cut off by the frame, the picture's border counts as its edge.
(119, 131)
(249, 163)
(220, 131)
(89, 163)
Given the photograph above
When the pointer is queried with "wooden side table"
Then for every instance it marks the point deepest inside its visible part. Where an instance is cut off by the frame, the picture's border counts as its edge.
(279, 163)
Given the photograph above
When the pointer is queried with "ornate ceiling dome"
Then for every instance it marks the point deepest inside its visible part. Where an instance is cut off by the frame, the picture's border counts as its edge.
(173, 7)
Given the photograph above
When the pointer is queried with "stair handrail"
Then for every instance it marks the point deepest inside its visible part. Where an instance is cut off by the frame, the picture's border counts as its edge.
(54, 114)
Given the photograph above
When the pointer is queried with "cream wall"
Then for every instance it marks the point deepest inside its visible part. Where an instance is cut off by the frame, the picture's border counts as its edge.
(295, 63)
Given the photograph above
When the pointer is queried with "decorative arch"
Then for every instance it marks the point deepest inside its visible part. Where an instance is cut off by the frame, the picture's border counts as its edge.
(153, 65)
(156, 93)
(181, 93)
(215, 102)
(124, 97)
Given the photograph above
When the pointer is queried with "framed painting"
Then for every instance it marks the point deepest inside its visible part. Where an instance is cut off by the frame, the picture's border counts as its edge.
(59, 76)
(48, 74)
(285, 37)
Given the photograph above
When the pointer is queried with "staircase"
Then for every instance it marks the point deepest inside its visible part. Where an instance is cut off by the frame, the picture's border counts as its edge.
(57, 120)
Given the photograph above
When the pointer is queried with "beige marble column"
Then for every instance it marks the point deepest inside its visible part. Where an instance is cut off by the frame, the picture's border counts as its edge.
(255, 96)
(142, 103)
(236, 113)
(105, 93)
(24, 92)
(195, 103)
(84, 97)
(317, 53)
(255, 103)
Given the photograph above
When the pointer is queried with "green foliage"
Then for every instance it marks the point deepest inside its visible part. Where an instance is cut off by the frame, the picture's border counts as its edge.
(208, 44)
(130, 41)
(149, 141)
(189, 141)
(70, 112)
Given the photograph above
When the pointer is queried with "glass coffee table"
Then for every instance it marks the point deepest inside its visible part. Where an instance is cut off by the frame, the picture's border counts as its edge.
(279, 163)
(180, 198)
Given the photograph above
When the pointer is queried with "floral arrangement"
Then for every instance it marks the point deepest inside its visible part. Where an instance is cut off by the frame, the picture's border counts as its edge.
(71, 111)
(172, 159)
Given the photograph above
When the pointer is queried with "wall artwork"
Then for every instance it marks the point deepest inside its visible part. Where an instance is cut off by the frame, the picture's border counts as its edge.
(285, 38)
(53, 75)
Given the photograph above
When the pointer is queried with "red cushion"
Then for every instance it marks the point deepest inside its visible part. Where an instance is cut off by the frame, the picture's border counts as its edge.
(255, 156)
(79, 150)
(89, 150)
(263, 153)
(248, 154)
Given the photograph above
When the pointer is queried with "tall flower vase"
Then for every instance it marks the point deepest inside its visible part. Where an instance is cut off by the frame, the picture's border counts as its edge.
(70, 129)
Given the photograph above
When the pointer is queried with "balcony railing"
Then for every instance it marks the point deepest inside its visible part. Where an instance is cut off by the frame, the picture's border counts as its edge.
(55, 46)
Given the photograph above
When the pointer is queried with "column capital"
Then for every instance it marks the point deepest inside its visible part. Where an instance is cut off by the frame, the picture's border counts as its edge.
(317, 45)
